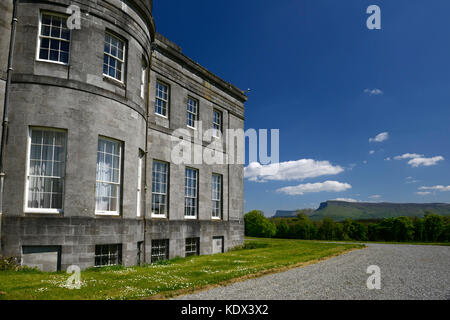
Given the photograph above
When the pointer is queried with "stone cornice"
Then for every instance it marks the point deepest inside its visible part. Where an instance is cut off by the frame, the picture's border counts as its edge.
(168, 49)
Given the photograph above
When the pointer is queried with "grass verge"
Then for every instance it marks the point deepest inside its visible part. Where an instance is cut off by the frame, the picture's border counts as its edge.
(174, 277)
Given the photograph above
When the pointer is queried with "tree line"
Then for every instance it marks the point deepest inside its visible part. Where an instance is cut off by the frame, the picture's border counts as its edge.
(430, 228)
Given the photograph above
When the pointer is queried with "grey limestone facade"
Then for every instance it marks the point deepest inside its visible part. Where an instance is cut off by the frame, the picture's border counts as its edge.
(80, 99)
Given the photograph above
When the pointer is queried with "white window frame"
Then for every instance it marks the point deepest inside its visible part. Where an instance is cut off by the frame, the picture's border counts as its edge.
(143, 78)
(139, 200)
(39, 39)
(219, 124)
(214, 200)
(196, 193)
(166, 194)
(195, 115)
(123, 60)
(166, 101)
(27, 177)
(119, 196)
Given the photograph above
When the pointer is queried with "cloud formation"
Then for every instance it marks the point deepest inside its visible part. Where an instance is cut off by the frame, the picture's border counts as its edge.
(408, 156)
(373, 92)
(417, 160)
(327, 186)
(346, 200)
(422, 193)
(436, 188)
(290, 170)
(380, 138)
(426, 162)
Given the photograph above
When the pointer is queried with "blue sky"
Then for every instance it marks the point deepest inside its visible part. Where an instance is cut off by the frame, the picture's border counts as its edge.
(329, 84)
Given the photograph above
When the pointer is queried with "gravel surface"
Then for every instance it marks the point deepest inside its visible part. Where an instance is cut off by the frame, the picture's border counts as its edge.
(407, 272)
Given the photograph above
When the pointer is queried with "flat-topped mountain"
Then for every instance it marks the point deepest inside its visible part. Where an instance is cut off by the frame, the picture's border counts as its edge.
(341, 210)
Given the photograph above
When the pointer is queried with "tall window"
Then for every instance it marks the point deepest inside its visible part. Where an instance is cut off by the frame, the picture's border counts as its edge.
(160, 250)
(54, 38)
(216, 196)
(114, 57)
(160, 172)
(109, 162)
(190, 193)
(140, 168)
(217, 123)
(143, 78)
(108, 255)
(162, 99)
(46, 170)
(192, 112)
(192, 247)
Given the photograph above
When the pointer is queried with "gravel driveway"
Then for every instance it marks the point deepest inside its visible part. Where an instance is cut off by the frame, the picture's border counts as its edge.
(407, 272)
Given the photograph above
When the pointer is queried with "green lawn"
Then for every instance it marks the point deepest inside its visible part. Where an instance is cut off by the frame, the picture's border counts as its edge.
(172, 277)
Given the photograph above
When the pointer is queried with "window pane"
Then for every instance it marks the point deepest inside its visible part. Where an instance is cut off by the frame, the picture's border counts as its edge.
(53, 31)
(46, 169)
(108, 188)
(159, 187)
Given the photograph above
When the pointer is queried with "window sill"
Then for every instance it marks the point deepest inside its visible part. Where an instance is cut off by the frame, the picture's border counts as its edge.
(159, 217)
(53, 62)
(193, 128)
(107, 214)
(162, 116)
(44, 211)
(216, 219)
(190, 218)
(114, 81)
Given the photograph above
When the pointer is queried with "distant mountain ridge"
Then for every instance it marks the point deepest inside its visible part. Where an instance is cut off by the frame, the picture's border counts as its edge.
(341, 210)
(292, 213)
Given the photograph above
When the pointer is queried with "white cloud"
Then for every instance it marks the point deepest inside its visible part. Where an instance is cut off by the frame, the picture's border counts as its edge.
(388, 159)
(372, 152)
(436, 188)
(373, 92)
(291, 170)
(380, 138)
(345, 200)
(423, 193)
(327, 186)
(411, 180)
(426, 162)
(408, 156)
(418, 160)
(376, 196)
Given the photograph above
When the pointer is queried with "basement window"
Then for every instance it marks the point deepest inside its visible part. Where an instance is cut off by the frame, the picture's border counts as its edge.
(192, 247)
(160, 250)
(108, 255)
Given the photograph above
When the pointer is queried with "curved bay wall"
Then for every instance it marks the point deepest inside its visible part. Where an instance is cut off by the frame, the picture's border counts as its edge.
(78, 99)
